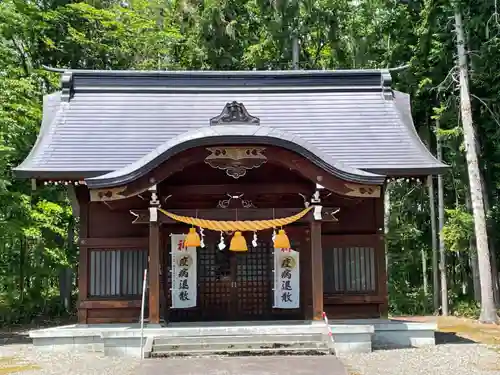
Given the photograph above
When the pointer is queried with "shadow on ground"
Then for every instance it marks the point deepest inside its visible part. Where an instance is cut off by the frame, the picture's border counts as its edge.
(451, 338)
(13, 338)
(19, 333)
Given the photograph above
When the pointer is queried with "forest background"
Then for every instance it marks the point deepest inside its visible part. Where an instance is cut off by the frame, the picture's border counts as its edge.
(38, 235)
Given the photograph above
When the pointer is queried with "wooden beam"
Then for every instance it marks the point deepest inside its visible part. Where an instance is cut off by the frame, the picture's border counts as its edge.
(346, 299)
(142, 216)
(133, 243)
(110, 304)
(316, 270)
(348, 240)
(254, 189)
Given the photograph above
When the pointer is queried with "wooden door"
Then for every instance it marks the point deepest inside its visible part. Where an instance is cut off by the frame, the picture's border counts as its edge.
(233, 285)
(253, 287)
(215, 282)
(254, 279)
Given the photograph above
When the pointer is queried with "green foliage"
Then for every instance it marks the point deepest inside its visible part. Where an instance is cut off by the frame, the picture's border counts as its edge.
(408, 300)
(459, 229)
(467, 309)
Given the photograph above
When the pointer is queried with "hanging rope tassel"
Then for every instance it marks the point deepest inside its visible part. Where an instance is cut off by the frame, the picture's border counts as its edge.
(254, 241)
(202, 235)
(222, 244)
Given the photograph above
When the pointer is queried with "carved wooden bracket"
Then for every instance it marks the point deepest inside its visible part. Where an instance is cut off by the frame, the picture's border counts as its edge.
(141, 216)
(363, 191)
(329, 214)
(110, 194)
(235, 160)
(232, 113)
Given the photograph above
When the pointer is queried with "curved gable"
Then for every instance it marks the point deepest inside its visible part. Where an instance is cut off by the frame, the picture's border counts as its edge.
(233, 134)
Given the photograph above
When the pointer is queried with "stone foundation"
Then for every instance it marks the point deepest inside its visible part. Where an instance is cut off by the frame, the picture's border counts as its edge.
(358, 336)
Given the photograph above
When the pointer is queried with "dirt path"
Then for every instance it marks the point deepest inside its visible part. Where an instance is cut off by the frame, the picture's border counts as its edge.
(460, 330)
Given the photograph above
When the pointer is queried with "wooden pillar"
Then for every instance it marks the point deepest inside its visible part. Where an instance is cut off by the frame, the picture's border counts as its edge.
(83, 198)
(316, 269)
(380, 256)
(154, 260)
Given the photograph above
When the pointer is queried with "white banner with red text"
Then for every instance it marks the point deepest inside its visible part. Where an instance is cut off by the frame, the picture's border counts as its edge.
(286, 279)
(184, 278)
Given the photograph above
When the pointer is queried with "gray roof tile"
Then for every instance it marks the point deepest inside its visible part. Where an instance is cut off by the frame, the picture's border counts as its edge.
(108, 124)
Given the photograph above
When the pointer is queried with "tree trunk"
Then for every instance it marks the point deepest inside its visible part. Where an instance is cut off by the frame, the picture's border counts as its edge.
(488, 311)
(295, 43)
(435, 264)
(486, 199)
(22, 265)
(491, 244)
(442, 250)
(425, 281)
(66, 274)
(474, 266)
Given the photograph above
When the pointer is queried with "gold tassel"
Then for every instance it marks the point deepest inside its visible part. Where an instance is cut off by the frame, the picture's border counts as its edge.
(238, 242)
(281, 240)
(192, 238)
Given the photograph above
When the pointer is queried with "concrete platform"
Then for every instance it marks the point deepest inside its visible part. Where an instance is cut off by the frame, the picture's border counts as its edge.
(349, 336)
(395, 334)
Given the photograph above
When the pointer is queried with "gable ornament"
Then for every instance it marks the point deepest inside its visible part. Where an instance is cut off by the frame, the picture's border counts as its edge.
(234, 113)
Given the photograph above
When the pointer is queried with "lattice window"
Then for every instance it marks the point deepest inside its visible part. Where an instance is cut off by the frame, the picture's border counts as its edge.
(349, 270)
(214, 281)
(254, 271)
(116, 273)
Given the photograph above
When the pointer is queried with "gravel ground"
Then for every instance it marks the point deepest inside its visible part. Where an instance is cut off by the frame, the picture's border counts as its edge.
(449, 359)
(457, 359)
(45, 363)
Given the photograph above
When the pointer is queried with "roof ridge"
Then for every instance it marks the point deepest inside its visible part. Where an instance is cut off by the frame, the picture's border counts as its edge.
(245, 81)
(306, 72)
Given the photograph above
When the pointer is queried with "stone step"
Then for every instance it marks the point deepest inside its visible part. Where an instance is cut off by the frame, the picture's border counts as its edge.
(238, 346)
(246, 330)
(229, 339)
(242, 352)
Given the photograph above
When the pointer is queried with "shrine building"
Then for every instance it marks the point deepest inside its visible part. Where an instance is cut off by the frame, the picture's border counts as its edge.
(246, 195)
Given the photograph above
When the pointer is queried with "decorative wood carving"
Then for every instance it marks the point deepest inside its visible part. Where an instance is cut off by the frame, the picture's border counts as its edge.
(328, 181)
(235, 160)
(364, 191)
(141, 216)
(101, 195)
(245, 203)
(329, 214)
(234, 112)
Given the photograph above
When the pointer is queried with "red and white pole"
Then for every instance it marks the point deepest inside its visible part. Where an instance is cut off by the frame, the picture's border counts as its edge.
(330, 333)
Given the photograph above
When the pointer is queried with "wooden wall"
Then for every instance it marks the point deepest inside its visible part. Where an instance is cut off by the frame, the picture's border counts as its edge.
(113, 253)
(355, 282)
(353, 251)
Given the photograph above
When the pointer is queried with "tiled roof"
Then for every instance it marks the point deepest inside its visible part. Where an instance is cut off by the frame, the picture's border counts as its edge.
(104, 121)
